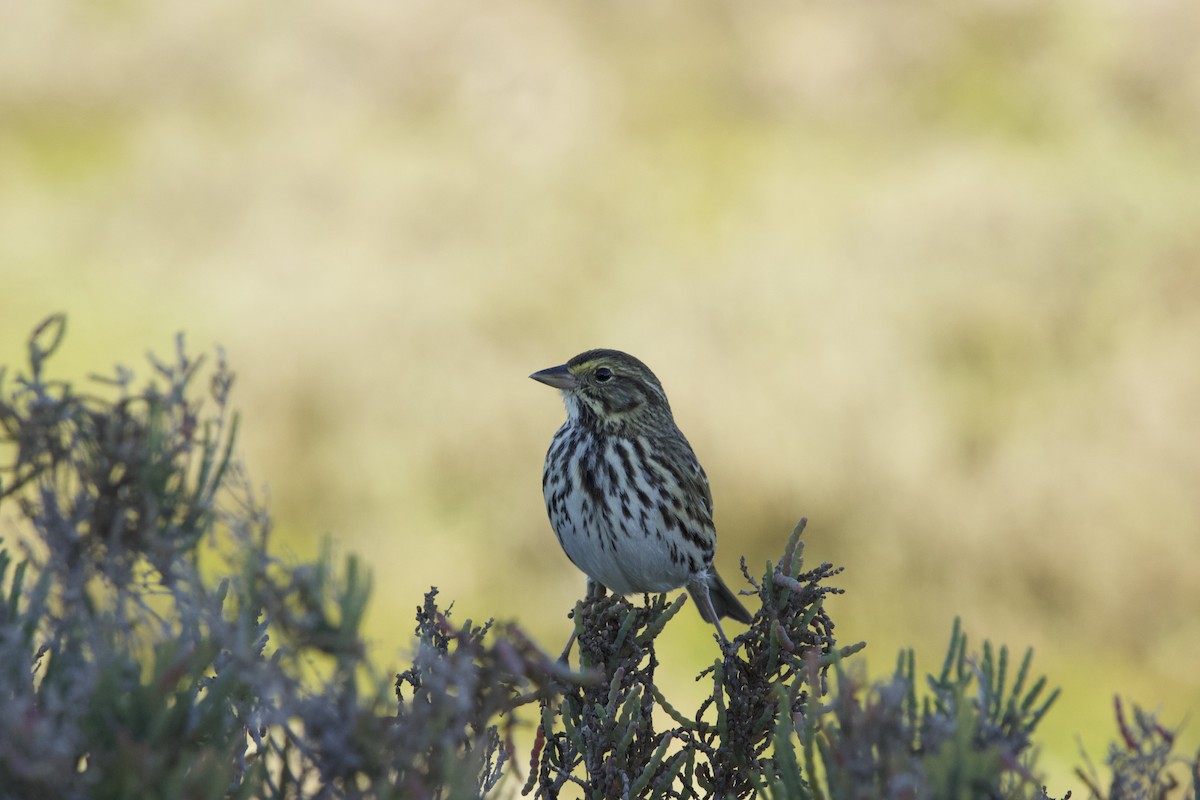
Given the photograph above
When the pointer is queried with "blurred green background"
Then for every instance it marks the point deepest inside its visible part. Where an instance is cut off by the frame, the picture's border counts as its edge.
(925, 272)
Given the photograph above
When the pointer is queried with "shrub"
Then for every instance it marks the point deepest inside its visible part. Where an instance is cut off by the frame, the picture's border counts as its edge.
(150, 645)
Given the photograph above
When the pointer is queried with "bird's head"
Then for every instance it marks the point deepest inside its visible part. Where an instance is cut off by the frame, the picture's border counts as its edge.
(610, 390)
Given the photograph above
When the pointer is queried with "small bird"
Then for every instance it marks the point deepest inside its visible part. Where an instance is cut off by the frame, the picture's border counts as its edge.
(627, 498)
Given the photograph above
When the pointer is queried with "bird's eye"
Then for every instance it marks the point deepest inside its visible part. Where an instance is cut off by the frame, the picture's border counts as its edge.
(604, 374)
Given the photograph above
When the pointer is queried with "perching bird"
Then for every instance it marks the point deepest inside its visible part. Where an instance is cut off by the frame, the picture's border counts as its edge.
(627, 498)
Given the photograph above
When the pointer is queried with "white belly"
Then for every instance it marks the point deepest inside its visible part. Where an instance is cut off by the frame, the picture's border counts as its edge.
(615, 536)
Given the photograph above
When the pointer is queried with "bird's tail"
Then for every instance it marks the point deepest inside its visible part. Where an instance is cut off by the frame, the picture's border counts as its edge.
(721, 601)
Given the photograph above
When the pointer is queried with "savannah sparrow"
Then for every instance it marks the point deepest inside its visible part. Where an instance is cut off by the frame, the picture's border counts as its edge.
(626, 496)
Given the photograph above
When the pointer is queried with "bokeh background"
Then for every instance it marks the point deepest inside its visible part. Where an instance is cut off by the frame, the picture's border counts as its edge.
(925, 272)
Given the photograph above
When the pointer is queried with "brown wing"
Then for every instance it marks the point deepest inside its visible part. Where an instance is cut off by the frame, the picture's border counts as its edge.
(686, 486)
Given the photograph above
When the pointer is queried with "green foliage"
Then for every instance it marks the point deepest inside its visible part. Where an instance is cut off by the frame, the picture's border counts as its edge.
(601, 736)
(967, 736)
(151, 646)
(451, 699)
(1143, 763)
(773, 725)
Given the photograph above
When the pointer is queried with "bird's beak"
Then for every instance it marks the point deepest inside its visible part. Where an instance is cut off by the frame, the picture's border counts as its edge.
(558, 377)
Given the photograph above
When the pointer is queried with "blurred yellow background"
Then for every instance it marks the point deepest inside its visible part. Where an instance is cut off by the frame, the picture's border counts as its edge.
(925, 272)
